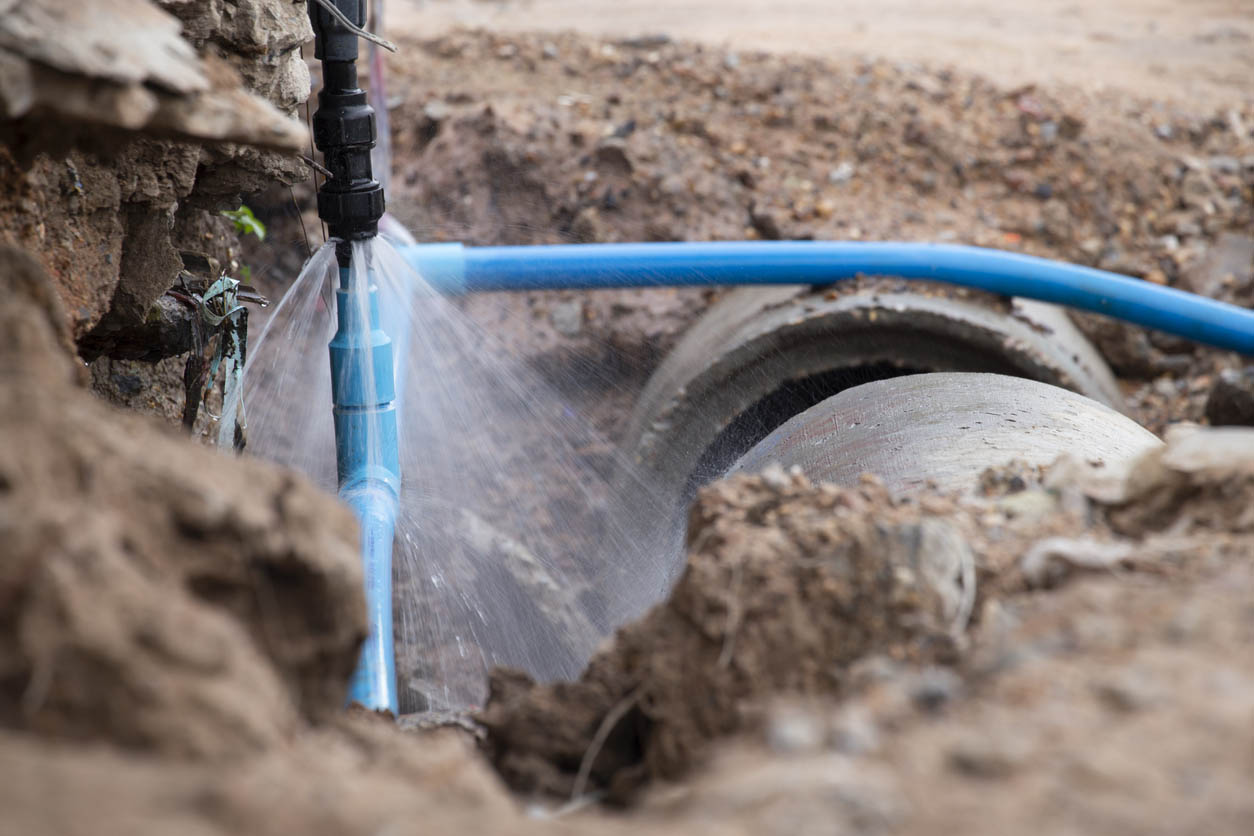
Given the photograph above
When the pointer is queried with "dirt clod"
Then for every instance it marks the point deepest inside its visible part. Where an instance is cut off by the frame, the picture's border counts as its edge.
(154, 594)
(785, 587)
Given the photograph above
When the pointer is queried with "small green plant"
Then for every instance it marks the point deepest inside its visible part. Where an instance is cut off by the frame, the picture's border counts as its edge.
(246, 222)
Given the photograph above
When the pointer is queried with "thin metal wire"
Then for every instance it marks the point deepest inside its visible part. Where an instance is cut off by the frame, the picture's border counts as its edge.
(353, 27)
(313, 172)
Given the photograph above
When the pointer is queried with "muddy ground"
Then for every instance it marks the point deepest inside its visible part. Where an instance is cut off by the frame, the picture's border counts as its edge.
(1069, 651)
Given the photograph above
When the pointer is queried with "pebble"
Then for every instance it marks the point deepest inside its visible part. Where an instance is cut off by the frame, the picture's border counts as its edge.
(435, 110)
(1231, 399)
(611, 157)
(854, 732)
(567, 318)
(1128, 691)
(792, 730)
(842, 173)
(1028, 505)
(1224, 164)
(933, 688)
(990, 757)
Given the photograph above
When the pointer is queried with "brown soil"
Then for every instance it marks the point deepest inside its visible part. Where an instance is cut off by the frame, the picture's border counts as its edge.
(535, 139)
(176, 627)
(155, 595)
(1196, 52)
(788, 585)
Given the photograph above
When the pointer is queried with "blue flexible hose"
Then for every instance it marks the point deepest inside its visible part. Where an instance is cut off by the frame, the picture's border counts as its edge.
(453, 268)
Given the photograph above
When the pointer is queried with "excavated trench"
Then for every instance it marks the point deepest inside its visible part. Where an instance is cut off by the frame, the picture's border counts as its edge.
(178, 626)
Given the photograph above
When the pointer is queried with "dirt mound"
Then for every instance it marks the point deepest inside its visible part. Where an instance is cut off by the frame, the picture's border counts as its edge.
(786, 585)
(528, 139)
(154, 594)
(357, 777)
(1117, 704)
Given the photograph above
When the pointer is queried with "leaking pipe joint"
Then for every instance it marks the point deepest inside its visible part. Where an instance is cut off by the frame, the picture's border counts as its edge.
(452, 268)
(350, 202)
(367, 458)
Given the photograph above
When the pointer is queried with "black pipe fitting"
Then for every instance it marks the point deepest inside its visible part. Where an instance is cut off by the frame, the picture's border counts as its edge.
(350, 201)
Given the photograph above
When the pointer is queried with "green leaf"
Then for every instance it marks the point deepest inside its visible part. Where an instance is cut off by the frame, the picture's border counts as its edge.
(246, 222)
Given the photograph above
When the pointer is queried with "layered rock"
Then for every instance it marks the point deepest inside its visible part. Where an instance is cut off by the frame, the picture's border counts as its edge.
(122, 138)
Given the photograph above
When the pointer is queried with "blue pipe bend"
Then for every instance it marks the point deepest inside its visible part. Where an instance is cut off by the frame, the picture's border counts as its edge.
(453, 268)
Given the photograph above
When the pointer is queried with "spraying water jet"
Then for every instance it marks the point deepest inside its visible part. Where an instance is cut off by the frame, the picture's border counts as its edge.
(392, 416)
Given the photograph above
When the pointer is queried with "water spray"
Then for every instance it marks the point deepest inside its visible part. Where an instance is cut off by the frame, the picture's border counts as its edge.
(351, 203)
(366, 389)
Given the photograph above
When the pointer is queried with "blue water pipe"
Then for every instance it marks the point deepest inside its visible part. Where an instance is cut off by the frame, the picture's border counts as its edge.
(455, 269)
(363, 382)
(351, 202)
(363, 393)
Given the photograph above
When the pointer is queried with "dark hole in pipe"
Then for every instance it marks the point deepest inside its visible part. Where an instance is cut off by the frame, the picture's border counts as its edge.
(791, 398)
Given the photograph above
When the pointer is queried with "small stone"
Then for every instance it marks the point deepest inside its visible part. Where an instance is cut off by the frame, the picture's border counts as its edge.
(792, 729)
(842, 173)
(1230, 258)
(611, 157)
(766, 223)
(1164, 131)
(649, 41)
(987, 757)
(934, 688)
(1224, 164)
(435, 111)
(1231, 400)
(1128, 691)
(567, 318)
(927, 85)
(1028, 505)
(775, 477)
(854, 732)
(549, 50)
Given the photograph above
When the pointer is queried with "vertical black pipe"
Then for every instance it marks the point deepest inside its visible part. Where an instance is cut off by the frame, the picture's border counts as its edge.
(350, 201)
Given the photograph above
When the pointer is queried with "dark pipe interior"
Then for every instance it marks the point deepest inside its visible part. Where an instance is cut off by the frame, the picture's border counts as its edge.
(791, 398)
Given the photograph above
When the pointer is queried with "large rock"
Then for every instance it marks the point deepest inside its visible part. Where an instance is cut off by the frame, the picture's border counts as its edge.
(152, 592)
(122, 64)
(120, 138)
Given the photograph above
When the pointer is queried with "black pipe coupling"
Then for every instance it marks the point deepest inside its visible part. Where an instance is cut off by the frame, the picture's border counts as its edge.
(350, 200)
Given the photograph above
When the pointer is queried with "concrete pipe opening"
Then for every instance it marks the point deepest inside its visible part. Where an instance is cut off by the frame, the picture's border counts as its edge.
(945, 430)
(762, 355)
